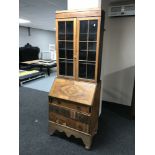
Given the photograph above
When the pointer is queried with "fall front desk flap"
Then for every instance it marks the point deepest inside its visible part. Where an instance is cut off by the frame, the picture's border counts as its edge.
(76, 91)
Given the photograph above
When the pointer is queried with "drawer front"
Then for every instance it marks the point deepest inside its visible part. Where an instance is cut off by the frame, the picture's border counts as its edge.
(68, 122)
(69, 113)
(71, 105)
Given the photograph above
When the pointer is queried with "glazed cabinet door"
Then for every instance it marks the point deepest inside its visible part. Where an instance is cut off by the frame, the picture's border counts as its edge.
(87, 48)
(65, 47)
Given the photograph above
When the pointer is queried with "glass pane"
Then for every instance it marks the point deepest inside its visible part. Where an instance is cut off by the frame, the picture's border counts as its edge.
(90, 71)
(92, 37)
(62, 67)
(91, 55)
(69, 27)
(65, 48)
(92, 46)
(83, 37)
(69, 45)
(92, 26)
(84, 26)
(83, 46)
(62, 53)
(61, 45)
(61, 37)
(82, 55)
(87, 48)
(61, 27)
(70, 68)
(69, 36)
(69, 54)
(82, 70)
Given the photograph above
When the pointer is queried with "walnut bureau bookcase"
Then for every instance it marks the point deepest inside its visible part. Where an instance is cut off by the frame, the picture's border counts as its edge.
(75, 94)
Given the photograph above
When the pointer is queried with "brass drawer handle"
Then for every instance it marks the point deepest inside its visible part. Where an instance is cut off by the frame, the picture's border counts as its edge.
(64, 123)
(78, 107)
(59, 102)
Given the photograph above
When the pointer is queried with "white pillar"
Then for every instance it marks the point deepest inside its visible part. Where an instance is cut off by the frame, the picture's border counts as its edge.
(83, 4)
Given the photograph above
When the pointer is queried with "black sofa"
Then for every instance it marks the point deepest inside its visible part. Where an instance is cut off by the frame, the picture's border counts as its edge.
(28, 53)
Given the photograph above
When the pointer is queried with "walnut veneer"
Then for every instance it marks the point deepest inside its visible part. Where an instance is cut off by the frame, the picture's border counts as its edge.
(75, 94)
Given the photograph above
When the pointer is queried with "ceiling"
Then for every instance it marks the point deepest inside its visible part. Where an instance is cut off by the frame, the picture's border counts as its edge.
(41, 13)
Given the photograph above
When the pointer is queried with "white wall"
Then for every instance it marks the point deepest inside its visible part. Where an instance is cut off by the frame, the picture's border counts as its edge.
(118, 59)
(40, 38)
(83, 4)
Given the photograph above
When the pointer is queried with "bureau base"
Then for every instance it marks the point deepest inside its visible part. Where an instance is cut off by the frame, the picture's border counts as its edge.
(86, 138)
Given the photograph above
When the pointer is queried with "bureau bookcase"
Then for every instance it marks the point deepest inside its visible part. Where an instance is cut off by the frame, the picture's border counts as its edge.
(75, 94)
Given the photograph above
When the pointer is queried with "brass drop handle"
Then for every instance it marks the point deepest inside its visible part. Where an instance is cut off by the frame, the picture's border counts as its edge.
(64, 123)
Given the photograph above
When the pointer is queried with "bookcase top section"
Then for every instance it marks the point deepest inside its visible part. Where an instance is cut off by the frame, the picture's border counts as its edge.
(71, 90)
(95, 12)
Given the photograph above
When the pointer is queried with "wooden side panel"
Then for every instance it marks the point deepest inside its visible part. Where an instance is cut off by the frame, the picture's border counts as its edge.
(100, 46)
(95, 109)
(97, 75)
(57, 48)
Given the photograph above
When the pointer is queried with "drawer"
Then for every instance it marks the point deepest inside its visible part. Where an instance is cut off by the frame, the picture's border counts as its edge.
(70, 113)
(68, 122)
(71, 105)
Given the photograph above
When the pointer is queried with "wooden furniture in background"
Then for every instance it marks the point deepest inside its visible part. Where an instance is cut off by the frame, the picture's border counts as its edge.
(41, 64)
(75, 95)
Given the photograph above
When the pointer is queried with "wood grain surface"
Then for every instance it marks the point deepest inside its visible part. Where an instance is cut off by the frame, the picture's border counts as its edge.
(76, 91)
(96, 12)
